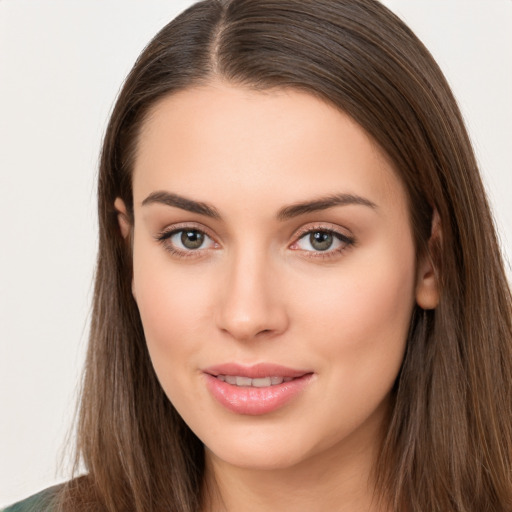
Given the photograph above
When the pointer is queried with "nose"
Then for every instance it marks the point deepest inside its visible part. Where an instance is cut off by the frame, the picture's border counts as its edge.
(251, 305)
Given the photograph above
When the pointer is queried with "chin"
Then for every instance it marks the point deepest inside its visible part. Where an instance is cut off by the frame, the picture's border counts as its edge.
(256, 458)
(263, 448)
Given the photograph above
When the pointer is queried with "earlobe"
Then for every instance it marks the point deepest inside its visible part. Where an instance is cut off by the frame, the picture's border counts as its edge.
(427, 281)
(122, 217)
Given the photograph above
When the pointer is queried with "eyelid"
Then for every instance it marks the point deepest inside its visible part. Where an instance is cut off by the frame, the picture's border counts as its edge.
(322, 226)
(163, 237)
(182, 226)
(347, 239)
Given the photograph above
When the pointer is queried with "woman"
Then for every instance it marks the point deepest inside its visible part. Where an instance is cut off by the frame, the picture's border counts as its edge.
(299, 301)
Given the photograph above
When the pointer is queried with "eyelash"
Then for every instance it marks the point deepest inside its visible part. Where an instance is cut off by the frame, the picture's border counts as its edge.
(347, 241)
(164, 238)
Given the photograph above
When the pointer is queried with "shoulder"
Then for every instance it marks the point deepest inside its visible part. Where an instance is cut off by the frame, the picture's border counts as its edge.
(43, 501)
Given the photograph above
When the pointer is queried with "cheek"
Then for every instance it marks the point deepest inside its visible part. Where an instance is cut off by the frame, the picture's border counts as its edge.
(170, 308)
(171, 301)
(357, 330)
(361, 318)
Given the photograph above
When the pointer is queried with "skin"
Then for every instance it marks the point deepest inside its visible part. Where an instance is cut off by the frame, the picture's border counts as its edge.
(257, 290)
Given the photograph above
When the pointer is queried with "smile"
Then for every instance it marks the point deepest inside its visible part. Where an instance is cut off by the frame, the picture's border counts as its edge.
(255, 390)
(262, 382)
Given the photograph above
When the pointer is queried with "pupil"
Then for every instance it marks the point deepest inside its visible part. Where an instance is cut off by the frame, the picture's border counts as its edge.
(320, 240)
(192, 239)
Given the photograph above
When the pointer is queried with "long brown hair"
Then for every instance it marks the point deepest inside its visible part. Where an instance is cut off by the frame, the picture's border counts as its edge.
(448, 444)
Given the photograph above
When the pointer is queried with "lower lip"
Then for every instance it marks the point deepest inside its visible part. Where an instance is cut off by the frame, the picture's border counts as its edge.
(255, 401)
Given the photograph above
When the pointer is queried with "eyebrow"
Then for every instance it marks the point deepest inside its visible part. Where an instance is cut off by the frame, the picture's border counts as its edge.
(181, 202)
(323, 203)
(288, 212)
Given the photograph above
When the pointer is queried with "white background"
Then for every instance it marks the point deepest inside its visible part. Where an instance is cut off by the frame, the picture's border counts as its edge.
(61, 65)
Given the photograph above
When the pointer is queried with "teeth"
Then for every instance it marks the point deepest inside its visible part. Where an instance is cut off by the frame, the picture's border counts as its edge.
(243, 381)
(261, 382)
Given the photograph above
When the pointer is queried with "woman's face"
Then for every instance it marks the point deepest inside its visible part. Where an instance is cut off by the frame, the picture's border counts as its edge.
(274, 271)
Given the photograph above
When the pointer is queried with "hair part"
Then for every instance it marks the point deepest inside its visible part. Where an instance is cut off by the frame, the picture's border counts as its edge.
(448, 443)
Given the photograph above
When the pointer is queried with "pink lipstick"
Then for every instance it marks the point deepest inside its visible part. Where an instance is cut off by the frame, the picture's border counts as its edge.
(255, 390)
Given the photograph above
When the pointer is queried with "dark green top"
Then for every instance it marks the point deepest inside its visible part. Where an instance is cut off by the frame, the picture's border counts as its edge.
(41, 502)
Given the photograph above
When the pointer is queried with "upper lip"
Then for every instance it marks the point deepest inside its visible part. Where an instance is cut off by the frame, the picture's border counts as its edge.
(255, 371)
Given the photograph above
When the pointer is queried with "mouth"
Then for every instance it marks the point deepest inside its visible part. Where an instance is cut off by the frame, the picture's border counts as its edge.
(255, 390)
(261, 382)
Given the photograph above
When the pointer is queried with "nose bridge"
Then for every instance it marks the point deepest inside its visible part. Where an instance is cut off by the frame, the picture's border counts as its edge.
(250, 303)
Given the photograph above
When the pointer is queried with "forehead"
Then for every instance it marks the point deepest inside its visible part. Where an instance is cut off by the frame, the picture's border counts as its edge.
(282, 143)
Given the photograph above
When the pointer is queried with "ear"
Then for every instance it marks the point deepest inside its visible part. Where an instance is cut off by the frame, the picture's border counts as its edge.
(427, 283)
(124, 226)
(122, 217)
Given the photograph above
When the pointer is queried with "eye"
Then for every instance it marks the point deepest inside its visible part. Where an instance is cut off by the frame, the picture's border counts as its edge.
(322, 241)
(186, 241)
(189, 239)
